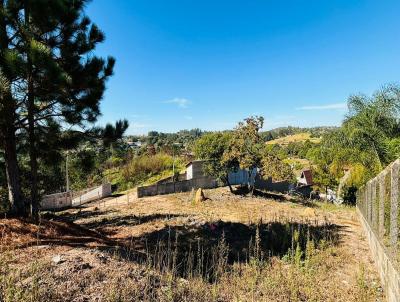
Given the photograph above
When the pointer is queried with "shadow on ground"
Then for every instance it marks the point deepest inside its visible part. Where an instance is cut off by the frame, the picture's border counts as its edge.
(202, 249)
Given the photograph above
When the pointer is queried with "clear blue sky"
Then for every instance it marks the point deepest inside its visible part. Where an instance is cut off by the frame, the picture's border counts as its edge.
(209, 64)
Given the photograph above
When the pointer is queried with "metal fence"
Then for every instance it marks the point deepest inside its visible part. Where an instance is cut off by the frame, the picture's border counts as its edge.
(378, 202)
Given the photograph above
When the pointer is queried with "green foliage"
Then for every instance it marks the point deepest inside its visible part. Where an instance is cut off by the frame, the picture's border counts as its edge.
(59, 82)
(246, 143)
(111, 134)
(272, 166)
(365, 143)
(81, 166)
(142, 169)
(183, 138)
(211, 147)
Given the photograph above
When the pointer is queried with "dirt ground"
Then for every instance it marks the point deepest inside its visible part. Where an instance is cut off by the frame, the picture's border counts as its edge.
(84, 240)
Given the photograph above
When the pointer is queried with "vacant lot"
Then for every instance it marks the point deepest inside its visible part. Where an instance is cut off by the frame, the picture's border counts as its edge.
(166, 248)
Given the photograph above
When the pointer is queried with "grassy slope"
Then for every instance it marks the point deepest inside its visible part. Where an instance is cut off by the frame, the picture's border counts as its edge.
(300, 137)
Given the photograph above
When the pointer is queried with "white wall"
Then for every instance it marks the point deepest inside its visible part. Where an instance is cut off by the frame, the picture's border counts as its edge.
(189, 172)
(97, 193)
(64, 199)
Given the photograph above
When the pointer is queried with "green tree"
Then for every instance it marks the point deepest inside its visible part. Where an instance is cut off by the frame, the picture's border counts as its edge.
(272, 166)
(58, 79)
(211, 147)
(245, 146)
(8, 114)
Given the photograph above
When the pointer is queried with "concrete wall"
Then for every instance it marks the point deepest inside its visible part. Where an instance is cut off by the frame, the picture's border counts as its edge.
(56, 201)
(390, 277)
(68, 199)
(195, 170)
(178, 186)
(189, 172)
(239, 177)
(97, 193)
(269, 185)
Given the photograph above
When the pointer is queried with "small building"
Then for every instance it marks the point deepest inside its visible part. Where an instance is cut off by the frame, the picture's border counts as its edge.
(194, 169)
(305, 178)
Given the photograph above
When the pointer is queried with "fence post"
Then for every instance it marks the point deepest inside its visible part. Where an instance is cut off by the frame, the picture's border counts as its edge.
(394, 201)
(369, 200)
(375, 214)
(381, 220)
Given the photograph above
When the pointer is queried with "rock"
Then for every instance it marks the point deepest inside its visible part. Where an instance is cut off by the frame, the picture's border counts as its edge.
(57, 259)
(199, 197)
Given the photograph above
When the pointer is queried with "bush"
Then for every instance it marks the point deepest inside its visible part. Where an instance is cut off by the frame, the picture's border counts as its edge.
(349, 195)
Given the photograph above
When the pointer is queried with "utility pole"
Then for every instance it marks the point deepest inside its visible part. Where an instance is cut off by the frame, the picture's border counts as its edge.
(173, 160)
(173, 164)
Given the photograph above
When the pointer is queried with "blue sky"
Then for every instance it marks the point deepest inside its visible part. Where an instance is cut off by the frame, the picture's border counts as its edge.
(209, 64)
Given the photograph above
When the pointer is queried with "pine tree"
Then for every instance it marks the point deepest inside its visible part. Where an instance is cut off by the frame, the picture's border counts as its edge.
(61, 80)
(8, 108)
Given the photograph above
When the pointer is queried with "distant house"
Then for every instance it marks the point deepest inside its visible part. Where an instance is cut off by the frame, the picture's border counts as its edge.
(305, 178)
(194, 170)
(134, 145)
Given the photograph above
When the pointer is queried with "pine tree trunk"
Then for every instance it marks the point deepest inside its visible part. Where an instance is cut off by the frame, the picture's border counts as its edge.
(32, 156)
(11, 163)
(8, 137)
(31, 125)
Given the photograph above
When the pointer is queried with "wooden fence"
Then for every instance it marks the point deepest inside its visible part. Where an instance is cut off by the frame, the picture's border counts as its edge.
(378, 205)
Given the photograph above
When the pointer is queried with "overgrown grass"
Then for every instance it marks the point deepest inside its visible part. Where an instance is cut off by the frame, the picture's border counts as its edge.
(178, 268)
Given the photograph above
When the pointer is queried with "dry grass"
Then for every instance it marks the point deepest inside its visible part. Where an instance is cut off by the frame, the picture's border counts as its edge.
(229, 248)
(299, 137)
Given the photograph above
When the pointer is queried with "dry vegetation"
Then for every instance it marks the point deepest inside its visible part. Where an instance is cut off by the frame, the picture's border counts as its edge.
(228, 248)
(294, 138)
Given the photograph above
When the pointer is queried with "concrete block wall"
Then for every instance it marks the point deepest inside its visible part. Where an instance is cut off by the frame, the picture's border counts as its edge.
(176, 187)
(378, 206)
(56, 201)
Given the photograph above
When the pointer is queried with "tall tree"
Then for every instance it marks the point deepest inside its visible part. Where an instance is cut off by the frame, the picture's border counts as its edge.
(62, 81)
(8, 107)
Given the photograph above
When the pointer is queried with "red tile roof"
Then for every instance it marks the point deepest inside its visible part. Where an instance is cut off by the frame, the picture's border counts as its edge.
(308, 176)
